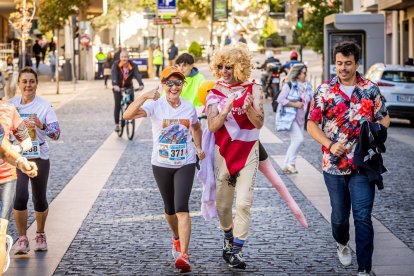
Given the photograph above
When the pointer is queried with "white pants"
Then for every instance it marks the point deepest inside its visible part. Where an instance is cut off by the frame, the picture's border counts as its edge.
(296, 139)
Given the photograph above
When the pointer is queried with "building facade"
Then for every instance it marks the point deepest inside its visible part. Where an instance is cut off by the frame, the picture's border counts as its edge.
(398, 29)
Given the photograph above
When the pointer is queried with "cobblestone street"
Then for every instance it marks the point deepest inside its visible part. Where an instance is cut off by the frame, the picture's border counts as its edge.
(125, 232)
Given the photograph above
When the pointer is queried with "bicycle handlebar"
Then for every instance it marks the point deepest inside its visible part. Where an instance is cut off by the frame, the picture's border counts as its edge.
(141, 87)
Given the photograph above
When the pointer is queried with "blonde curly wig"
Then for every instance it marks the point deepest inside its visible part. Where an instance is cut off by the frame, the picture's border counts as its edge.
(236, 55)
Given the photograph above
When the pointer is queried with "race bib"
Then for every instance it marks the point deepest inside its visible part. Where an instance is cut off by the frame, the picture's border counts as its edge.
(172, 154)
(34, 152)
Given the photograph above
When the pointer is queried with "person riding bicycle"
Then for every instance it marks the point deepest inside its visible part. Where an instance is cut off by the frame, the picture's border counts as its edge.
(123, 71)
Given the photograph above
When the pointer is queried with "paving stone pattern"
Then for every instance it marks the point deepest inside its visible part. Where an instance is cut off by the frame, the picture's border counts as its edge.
(125, 232)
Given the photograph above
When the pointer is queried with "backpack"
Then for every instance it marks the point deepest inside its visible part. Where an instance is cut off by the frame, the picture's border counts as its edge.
(274, 100)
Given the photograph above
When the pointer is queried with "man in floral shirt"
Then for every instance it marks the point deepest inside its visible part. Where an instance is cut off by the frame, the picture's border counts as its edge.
(341, 105)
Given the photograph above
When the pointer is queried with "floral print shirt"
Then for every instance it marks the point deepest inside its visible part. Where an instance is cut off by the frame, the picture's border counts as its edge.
(342, 116)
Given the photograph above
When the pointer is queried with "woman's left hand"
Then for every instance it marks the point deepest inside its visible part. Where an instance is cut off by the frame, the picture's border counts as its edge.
(34, 120)
(200, 154)
(248, 102)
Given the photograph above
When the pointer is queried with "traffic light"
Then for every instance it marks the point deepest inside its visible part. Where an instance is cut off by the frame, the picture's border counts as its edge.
(75, 26)
(300, 18)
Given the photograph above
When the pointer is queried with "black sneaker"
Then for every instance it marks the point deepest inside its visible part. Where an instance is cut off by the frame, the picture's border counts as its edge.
(227, 247)
(237, 261)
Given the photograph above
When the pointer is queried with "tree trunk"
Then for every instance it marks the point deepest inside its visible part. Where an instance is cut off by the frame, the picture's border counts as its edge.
(57, 60)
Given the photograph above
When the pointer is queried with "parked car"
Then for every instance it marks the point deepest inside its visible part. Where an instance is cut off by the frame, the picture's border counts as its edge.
(396, 83)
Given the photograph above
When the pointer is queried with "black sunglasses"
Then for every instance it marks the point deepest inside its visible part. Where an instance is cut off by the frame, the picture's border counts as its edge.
(228, 68)
(171, 83)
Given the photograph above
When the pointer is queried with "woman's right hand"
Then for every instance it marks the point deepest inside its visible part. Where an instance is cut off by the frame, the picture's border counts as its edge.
(152, 94)
(299, 104)
(228, 105)
(116, 88)
(28, 167)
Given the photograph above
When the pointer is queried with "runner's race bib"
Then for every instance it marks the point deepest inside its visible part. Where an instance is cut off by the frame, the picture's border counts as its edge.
(172, 154)
(172, 142)
(34, 152)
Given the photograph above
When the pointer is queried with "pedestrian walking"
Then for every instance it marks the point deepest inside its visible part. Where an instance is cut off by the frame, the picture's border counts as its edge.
(193, 78)
(37, 51)
(157, 61)
(108, 68)
(172, 53)
(11, 123)
(10, 77)
(227, 40)
(341, 105)
(235, 115)
(52, 45)
(242, 39)
(123, 71)
(2, 85)
(43, 44)
(52, 64)
(41, 121)
(293, 102)
(174, 127)
(101, 58)
(27, 59)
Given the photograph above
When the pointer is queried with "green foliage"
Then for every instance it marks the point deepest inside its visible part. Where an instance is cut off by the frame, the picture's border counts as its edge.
(312, 32)
(270, 32)
(52, 13)
(270, 27)
(200, 9)
(195, 49)
(275, 38)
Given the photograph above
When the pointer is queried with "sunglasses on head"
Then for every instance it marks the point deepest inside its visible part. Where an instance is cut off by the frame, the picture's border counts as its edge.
(220, 66)
(171, 83)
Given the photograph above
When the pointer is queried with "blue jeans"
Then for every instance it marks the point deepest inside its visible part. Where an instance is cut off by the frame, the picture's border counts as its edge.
(356, 191)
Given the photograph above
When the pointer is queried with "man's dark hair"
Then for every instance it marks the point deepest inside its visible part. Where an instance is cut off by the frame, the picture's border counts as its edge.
(347, 49)
(185, 58)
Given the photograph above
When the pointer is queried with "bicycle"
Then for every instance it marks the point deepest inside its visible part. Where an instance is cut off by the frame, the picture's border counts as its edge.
(127, 99)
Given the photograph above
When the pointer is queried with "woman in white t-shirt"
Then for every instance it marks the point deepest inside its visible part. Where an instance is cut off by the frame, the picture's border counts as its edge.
(174, 128)
(41, 122)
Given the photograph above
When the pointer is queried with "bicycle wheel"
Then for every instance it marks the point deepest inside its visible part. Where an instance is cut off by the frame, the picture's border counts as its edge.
(130, 128)
(121, 122)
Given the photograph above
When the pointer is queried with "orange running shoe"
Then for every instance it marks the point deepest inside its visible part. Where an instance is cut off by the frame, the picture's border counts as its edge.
(183, 263)
(176, 248)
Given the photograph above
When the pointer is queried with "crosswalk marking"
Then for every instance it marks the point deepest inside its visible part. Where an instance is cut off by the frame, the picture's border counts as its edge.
(267, 136)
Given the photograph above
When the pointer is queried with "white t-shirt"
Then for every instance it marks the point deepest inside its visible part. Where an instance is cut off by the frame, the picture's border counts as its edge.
(44, 111)
(172, 140)
(348, 89)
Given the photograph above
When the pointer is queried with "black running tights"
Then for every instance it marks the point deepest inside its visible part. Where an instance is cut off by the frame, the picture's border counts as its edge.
(175, 187)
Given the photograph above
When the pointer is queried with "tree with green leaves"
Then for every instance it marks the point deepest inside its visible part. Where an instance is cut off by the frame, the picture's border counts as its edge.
(312, 32)
(21, 20)
(53, 15)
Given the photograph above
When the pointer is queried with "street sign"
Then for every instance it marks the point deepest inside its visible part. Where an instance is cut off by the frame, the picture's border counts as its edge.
(167, 7)
(167, 21)
(220, 10)
(84, 40)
